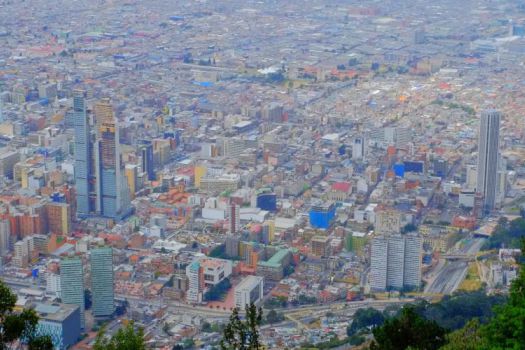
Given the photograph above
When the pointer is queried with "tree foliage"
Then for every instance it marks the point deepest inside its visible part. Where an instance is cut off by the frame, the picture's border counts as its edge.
(466, 338)
(409, 330)
(365, 319)
(507, 329)
(127, 338)
(507, 234)
(19, 327)
(454, 311)
(274, 317)
(243, 334)
(217, 291)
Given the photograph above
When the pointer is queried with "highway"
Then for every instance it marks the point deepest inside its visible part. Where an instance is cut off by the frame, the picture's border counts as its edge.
(450, 275)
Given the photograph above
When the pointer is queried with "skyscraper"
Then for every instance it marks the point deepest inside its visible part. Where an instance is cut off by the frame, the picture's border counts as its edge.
(83, 166)
(112, 190)
(412, 261)
(4, 237)
(234, 213)
(488, 154)
(1, 109)
(146, 152)
(72, 284)
(395, 263)
(378, 263)
(102, 282)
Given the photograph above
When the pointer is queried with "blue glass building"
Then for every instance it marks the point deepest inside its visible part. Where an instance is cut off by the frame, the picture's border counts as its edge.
(321, 216)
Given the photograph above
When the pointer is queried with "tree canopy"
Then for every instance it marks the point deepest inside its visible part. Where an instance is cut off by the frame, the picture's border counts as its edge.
(126, 338)
(507, 234)
(365, 318)
(409, 330)
(243, 334)
(19, 327)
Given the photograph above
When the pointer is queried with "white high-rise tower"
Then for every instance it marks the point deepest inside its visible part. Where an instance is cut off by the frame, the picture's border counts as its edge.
(488, 154)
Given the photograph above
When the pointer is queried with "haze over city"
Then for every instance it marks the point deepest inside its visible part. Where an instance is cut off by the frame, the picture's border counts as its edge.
(340, 166)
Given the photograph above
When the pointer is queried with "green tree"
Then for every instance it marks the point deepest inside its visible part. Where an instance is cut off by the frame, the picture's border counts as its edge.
(365, 318)
(409, 330)
(127, 338)
(507, 329)
(466, 338)
(274, 317)
(243, 334)
(19, 326)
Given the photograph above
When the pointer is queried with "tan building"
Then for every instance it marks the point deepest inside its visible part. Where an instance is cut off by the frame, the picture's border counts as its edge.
(320, 245)
(58, 218)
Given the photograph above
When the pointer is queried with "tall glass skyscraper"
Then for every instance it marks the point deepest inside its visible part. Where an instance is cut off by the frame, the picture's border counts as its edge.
(82, 153)
(112, 190)
(72, 284)
(488, 154)
(102, 282)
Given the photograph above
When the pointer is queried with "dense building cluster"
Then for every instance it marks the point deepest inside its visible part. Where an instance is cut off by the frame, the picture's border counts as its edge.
(167, 161)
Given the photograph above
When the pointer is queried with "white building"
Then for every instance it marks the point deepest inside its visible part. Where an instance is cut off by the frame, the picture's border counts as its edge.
(412, 262)
(249, 290)
(53, 284)
(358, 148)
(204, 273)
(378, 263)
(23, 250)
(395, 262)
(195, 287)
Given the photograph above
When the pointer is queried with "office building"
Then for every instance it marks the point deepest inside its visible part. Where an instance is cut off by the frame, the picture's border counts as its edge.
(23, 252)
(395, 262)
(234, 214)
(322, 215)
(412, 261)
(195, 282)
(319, 246)
(440, 167)
(58, 218)
(387, 221)
(232, 247)
(355, 242)
(53, 284)
(8, 159)
(5, 232)
(488, 158)
(113, 198)
(146, 155)
(268, 232)
(378, 263)
(61, 322)
(249, 290)
(131, 171)
(72, 284)
(358, 148)
(83, 164)
(102, 282)
(267, 200)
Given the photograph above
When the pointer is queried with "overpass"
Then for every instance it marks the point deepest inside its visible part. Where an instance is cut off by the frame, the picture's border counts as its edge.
(459, 257)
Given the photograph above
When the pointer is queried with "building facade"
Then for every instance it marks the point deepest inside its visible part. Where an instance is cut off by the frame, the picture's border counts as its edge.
(395, 262)
(488, 158)
(249, 290)
(102, 282)
(72, 284)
